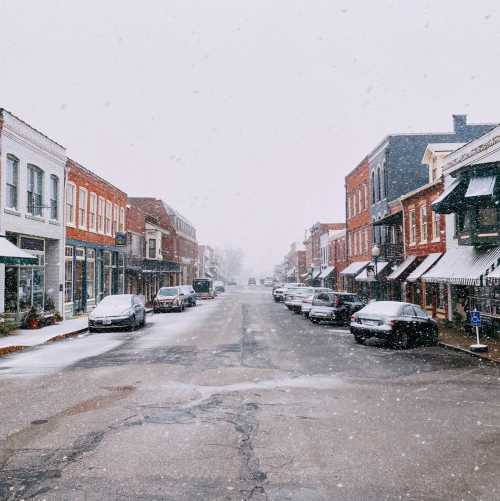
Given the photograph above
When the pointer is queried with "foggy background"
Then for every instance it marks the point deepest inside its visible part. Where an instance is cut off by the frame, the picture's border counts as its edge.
(244, 115)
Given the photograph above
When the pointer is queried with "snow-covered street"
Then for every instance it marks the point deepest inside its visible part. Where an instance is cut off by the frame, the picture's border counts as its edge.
(240, 399)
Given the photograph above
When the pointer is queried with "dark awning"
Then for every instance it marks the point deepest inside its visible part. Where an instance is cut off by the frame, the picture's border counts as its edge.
(390, 220)
(451, 197)
(11, 254)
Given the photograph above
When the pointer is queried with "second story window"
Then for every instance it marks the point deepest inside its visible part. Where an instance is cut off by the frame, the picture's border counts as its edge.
(70, 204)
(92, 211)
(373, 187)
(436, 220)
(152, 248)
(121, 222)
(423, 223)
(54, 197)
(107, 218)
(12, 181)
(82, 208)
(412, 226)
(35, 190)
(100, 215)
(379, 185)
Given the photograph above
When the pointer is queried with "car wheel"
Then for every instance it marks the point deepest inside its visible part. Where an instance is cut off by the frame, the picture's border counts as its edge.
(306, 315)
(92, 330)
(359, 339)
(133, 324)
(404, 340)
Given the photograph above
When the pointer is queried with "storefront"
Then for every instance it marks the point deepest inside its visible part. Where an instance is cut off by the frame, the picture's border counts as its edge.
(349, 274)
(327, 278)
(372, 281)
(91, 273)
(396, 280)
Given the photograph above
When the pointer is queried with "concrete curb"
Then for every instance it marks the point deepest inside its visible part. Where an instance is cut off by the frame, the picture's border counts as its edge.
(6, 350)
(469, 352)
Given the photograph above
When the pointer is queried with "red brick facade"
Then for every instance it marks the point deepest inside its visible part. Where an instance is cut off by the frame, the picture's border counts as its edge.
(88, 185)
(358, 213)
(315, 234)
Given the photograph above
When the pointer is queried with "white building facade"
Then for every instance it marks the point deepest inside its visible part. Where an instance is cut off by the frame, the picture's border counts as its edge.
(32, 168)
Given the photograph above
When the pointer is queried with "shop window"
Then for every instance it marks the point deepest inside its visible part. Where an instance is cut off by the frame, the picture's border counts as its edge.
(54, 197)
(90, 273)
(152, 248)
(68, 274)
(441, 297)
(12, 181)
(487, 216)
(34, 191)
(436, 231)
(114, 228)
(107, 273)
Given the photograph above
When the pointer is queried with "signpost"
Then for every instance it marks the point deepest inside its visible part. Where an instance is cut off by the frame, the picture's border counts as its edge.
(475, 320)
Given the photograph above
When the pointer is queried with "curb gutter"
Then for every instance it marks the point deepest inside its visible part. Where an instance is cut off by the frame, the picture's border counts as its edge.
(469, 352)
(11, 349)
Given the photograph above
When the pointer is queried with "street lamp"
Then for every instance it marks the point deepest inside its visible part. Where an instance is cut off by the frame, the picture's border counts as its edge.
(375, 256)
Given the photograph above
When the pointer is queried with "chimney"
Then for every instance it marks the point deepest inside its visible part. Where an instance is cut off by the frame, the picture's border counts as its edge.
(459, 123)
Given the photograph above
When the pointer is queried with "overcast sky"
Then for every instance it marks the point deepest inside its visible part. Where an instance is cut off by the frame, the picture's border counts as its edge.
(244, 115)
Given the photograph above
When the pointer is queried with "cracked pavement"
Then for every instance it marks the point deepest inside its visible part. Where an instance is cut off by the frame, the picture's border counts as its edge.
(239, 399)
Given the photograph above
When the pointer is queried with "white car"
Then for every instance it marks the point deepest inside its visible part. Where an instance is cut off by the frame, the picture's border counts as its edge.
(308, 300)
(294, 297)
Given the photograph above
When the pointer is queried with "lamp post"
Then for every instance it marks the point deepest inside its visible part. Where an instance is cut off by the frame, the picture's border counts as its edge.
(375, 256)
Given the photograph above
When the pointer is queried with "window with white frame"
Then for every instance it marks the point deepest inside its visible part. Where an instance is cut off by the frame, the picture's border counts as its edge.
(82, 208)
(121, 222)
(360, 199)
(70, 203)
(107, 217)
(100, 215)
(12, 182)
(54, 197)
(115, 219)
(436, 230)
(92, 211)
(412, 224)
(423, 223)
(34, 190)
(348, 208)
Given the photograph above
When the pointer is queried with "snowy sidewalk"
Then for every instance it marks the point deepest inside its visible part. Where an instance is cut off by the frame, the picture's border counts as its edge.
(25, 338)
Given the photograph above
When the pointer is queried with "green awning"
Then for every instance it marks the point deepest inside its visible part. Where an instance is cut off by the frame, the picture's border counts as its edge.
(11, 254)
(451, 198)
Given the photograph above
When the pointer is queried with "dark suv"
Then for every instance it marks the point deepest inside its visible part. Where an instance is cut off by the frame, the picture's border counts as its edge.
(334, 307)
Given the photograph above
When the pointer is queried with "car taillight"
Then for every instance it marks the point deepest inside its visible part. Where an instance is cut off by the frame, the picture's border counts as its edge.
(338, 302)
(353, 318)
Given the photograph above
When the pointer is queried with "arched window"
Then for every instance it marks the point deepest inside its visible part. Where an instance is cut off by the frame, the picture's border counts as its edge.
(384, 175)
(373, 188)
(379, 187)
(35, 190)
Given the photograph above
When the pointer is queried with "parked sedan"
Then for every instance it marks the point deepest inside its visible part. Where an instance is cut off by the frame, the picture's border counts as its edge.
(168, 299)
(308, 300)
(189, 295)
(123, 311)
(333, 307)
(294, 297)
(400, 324)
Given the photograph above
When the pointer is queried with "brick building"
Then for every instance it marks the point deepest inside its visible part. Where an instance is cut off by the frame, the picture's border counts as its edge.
(358, 224)
(95, 223)
(333, 258)
(295, 263)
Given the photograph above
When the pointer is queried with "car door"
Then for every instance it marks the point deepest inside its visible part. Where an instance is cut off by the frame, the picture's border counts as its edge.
(408, 319)
(139, 309)
(423, 324)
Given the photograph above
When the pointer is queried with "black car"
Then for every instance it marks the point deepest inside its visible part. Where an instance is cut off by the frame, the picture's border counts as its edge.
(189, 295)
(333, 307)
(401, 325)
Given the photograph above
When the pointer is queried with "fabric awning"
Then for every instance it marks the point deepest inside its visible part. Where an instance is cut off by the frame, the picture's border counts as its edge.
(494, 277)
(354, 268)
(390, 219)
(11, 254)
(208, 274)
(480, 186)
(327, 271)
(424, 266)
(364, 277)
(402, 268)
(448, 200)
(304, 275)
(315, 273)
(465, 265)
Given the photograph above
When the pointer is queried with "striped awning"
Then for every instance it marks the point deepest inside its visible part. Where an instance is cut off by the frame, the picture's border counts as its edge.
(354, 268)
(365, 277)
(402, 268)
(465, 265)
(424, 266)
(327, 271)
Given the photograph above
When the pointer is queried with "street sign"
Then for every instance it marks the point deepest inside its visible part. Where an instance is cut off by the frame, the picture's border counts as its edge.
(475, 318)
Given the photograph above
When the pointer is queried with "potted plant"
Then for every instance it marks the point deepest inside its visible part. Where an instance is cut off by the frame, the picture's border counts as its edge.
(33, 319)
(7, 325)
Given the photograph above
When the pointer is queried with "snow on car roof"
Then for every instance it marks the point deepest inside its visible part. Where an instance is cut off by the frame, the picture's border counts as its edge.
(383, 307)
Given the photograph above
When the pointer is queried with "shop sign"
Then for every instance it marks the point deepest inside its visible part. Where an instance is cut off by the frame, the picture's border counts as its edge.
(120, 239)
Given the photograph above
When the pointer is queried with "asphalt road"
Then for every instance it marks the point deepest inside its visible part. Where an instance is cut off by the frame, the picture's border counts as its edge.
(239, 399)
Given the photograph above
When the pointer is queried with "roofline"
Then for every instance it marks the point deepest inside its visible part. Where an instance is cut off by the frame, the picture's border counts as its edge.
(360, 164)
(93, 174)
(421, 188)
(4, 110)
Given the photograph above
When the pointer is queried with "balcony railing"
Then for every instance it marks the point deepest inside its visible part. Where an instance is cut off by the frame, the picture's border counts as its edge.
(151, 265)
(391, 252)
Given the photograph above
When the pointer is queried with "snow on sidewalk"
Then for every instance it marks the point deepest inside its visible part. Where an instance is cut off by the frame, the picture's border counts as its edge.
(33, 337)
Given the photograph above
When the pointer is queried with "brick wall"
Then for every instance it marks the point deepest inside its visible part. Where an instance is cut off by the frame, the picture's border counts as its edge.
(92, 183)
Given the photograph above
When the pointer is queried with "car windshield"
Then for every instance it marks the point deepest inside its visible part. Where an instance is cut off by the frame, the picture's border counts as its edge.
(168, 292)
